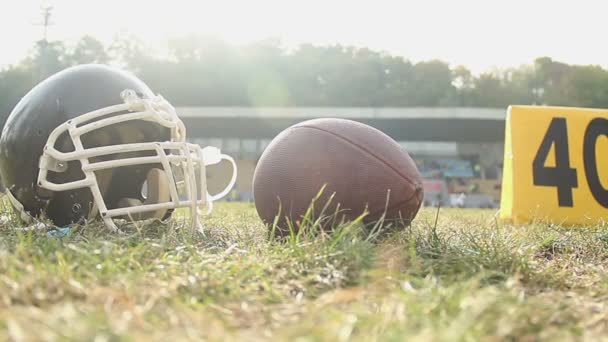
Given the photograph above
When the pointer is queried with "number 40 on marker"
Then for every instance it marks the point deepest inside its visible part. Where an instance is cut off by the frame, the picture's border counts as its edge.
(562, 175)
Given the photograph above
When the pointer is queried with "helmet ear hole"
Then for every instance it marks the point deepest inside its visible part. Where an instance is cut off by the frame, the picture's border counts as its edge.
(76, 208)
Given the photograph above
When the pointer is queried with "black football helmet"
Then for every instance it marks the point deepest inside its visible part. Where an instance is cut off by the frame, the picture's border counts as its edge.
(94, 141)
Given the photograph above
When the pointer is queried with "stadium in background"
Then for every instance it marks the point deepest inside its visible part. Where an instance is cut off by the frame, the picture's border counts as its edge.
(459, 151)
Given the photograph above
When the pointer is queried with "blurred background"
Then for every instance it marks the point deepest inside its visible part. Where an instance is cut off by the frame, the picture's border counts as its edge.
(437, 76)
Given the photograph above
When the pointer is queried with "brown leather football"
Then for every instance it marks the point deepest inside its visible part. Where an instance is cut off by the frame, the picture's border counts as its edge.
(360, 165)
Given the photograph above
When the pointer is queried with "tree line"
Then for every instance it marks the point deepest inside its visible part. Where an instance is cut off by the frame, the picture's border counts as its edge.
(203, 71)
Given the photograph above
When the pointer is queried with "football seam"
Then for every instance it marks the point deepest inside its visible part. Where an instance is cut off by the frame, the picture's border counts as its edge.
(364, 150)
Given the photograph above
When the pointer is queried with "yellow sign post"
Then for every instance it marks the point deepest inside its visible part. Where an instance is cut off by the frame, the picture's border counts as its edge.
(555, 165)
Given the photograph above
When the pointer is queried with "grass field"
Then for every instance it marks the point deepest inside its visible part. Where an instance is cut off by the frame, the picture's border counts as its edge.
(462, 277)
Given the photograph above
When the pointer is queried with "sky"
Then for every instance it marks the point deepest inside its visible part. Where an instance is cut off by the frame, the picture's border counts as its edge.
(478, 34)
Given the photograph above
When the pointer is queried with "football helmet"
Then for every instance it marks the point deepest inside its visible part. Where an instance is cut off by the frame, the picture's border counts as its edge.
(93, 141)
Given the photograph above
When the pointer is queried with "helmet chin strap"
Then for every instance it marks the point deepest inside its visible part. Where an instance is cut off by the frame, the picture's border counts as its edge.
(23, 215)
(158, 192)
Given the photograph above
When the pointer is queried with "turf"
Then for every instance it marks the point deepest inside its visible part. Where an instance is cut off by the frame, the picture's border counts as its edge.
(458, 275)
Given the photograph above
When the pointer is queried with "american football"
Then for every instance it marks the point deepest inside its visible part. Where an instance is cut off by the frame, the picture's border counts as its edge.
(359, 170)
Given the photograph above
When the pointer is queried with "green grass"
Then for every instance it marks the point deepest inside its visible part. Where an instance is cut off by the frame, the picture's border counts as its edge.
(465, 277)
